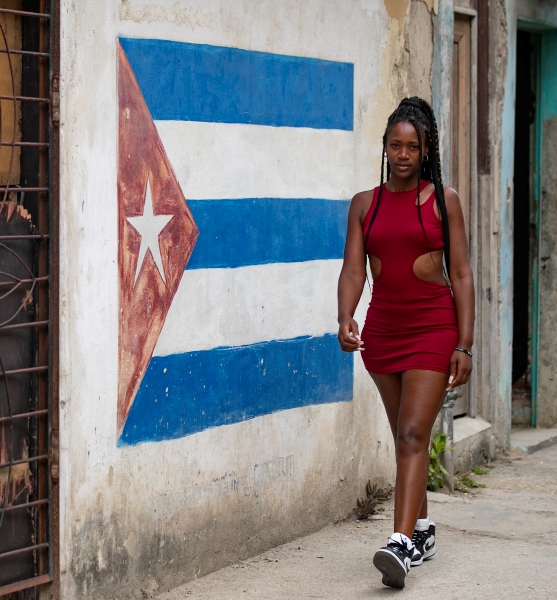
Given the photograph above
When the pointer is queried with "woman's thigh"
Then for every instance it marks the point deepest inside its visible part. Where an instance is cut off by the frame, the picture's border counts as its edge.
(390, 390)
(422, 394)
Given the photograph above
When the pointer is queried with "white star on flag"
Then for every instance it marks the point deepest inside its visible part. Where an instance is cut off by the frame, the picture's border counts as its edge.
(149, 226)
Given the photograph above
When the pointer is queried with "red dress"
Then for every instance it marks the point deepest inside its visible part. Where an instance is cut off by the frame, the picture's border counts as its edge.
(411, 323)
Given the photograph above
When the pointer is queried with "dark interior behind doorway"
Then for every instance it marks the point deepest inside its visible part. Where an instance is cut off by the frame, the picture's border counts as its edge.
(524, 226)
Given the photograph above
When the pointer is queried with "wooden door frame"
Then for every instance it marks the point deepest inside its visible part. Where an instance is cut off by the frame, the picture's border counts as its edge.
(474, 237)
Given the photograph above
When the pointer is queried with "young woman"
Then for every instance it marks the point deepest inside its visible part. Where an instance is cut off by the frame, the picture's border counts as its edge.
(417, 338)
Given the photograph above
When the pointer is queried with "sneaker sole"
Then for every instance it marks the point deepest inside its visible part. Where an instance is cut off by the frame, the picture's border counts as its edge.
(394, 574)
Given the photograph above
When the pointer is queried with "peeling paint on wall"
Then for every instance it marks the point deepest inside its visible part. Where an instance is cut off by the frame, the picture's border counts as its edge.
(506, 217)
(397, 9)
(547, 105)
(406, 66)
(390, 91)
(420, 50)
(443, 35)
(176, 14)
(432, 5)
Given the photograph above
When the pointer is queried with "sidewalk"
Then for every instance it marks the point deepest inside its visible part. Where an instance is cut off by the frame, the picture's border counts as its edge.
(498, 542)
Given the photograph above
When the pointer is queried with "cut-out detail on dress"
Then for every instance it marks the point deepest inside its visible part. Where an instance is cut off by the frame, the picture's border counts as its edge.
(429, 267)
(425, 195)
(375, 266)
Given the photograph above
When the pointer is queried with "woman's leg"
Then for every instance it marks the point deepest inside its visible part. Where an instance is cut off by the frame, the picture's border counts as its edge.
(423, 514)
(422, 394)
(390, 390)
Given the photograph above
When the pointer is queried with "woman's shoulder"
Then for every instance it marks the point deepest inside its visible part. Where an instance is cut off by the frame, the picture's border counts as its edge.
(452, 200)
(364, 197)
(361, 202)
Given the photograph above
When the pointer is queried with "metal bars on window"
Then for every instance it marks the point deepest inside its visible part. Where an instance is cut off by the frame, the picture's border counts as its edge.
(28, 467)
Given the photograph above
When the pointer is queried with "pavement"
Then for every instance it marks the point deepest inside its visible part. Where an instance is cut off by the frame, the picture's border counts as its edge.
(532, 439)
(495, 542)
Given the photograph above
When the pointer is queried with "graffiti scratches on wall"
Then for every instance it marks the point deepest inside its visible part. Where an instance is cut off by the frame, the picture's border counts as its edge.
(248, 483)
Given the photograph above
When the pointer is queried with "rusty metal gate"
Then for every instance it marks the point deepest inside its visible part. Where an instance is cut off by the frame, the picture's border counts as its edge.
(28, 323)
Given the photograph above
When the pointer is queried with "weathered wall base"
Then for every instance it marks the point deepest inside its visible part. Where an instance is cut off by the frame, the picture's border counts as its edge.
(547, 107)
(547, 368)
(474, 443)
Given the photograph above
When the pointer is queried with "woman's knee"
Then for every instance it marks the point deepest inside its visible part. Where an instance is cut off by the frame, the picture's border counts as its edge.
(412, 440)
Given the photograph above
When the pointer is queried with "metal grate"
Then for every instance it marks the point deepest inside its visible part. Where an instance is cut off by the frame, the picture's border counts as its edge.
(28, 426)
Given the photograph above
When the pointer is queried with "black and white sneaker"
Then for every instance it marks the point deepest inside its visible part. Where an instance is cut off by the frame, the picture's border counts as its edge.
(424, 543)
(394, 562)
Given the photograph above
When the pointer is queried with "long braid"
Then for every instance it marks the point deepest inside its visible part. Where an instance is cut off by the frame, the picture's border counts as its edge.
(374, 214)
(436, 175)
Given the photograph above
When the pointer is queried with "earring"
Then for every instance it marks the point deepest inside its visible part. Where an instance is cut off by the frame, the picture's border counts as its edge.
(426, 158)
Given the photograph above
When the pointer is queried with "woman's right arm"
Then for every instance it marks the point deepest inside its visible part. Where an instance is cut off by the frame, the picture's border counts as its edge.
(352, 276)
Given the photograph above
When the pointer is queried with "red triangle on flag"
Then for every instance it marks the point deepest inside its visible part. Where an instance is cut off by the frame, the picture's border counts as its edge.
(156, 234)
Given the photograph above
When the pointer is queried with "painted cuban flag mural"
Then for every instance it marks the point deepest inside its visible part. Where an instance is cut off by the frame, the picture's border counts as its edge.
(225, 286)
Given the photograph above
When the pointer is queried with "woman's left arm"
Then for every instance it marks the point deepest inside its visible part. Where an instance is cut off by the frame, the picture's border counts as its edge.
(462, 282)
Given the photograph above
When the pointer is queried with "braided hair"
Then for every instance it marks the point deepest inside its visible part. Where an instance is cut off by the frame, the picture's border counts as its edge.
(420, 114)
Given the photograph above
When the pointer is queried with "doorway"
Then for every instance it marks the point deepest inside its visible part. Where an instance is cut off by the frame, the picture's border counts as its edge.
(526, 229)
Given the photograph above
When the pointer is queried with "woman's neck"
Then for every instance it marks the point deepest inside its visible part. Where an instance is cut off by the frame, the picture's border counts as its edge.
(397, 184)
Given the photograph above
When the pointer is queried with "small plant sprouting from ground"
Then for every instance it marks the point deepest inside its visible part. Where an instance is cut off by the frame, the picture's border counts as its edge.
(480, 471)
(465, 484)
(436, 472)
(471, 483)
(460, 487)
(374, 496)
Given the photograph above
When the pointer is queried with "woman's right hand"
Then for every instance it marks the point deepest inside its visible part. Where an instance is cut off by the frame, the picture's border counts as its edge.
(349, 336)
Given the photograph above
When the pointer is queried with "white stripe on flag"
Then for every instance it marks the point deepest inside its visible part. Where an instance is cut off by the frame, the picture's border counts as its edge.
(221, 160)
(234, 307)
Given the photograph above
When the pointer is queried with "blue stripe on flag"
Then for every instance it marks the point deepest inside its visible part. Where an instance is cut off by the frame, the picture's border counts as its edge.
(256, 231)
(186, 393)
(195, 82)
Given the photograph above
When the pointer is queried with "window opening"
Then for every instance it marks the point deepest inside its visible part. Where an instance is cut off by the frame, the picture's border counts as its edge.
(26, 296)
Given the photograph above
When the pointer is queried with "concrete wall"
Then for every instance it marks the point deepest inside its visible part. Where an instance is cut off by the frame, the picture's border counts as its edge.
(495, 190)
(441, 80)
(547, 396)
(539, 12)
(505, 94)
(176, 456)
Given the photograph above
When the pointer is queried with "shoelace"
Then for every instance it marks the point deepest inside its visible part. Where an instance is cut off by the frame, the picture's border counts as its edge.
(418, 537)
(398, 546)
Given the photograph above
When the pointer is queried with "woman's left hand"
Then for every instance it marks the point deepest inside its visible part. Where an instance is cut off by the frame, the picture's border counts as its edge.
(461, 367)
